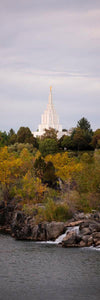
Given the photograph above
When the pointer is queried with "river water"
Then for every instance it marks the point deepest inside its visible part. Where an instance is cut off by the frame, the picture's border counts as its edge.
(40, 271)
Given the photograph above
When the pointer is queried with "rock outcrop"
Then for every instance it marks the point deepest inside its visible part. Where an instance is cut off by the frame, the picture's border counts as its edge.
(23, 227)
(6, 217)
(88, 234)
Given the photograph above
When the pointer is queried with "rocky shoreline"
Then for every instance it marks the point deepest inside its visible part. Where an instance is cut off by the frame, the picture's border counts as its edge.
(88, 233)
(23, 227)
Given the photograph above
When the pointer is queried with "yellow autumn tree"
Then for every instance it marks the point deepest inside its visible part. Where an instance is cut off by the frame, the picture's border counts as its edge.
(66, 167)
(9, 170)
(32, 188)
(26, 161)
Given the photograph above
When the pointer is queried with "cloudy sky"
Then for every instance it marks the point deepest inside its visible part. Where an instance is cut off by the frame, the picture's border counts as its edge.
(43, 43)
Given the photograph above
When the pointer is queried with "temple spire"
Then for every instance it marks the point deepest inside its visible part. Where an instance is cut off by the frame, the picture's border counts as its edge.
(50, 95)
(49, 118)
(50, 88)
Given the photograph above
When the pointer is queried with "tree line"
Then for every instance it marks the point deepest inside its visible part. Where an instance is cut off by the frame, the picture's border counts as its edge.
(81, 138)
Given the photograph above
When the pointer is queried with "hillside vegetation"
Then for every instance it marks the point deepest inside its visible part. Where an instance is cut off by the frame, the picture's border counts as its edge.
(50, 178)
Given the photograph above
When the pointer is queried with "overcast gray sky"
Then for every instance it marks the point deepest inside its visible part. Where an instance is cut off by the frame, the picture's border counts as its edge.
(43, 43)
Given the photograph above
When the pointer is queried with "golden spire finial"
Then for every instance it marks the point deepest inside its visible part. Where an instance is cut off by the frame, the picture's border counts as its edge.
(50, 88)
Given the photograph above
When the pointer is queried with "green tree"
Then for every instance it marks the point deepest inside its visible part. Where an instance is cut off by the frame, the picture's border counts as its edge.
(48, 146)
(84, 125)
(50, 133)
(88, 181)
(11, 132)
(3, 139)
(96, 139)
(40, 166)
(50, 177)
(66, 142)
(64, 130)
(60, 142)
(24, 135)
(82, 135)
(12, 137)
(81, 140)
(45, 171)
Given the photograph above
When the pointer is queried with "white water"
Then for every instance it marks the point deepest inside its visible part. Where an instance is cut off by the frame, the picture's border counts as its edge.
(95, 248)
(74, 228)
(62, 236)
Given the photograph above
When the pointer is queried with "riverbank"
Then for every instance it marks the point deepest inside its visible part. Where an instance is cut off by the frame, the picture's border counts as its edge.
(83, 230)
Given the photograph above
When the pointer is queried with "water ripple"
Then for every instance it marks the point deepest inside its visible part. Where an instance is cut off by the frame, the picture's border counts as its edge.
(39, 271)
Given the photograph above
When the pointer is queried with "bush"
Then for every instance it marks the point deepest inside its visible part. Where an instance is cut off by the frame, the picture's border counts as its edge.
(48, 146)
(54, 212)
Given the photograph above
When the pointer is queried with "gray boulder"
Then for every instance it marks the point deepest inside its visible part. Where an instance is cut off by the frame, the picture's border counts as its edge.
(24, 227)
(71, 239)
(54, 229)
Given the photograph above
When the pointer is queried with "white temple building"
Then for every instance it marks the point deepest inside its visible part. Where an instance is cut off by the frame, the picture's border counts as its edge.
(49, 119)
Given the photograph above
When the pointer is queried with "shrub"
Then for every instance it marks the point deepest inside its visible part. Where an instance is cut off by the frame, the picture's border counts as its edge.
(54, 212)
